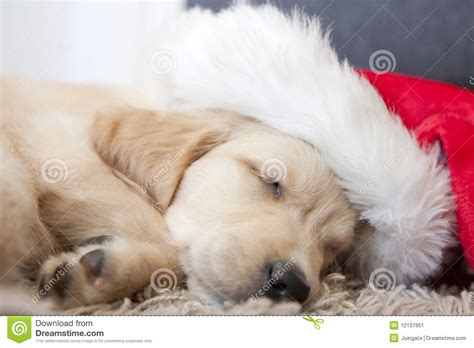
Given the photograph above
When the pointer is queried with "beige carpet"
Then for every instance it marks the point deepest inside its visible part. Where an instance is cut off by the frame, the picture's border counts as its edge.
(339, 297)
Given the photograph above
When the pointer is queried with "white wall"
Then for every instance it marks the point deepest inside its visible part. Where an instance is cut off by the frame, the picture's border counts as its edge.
(82, 41)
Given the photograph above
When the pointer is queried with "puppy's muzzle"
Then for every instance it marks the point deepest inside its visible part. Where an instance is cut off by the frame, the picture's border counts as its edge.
(283, 281)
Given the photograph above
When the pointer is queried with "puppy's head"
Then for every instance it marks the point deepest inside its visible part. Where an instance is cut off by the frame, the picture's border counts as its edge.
(254, 212)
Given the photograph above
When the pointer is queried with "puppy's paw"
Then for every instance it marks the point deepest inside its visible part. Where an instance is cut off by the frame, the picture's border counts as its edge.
(102, 269)
(75, 278)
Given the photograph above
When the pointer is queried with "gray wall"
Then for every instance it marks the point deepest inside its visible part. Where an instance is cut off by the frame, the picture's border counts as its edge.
(429, 38)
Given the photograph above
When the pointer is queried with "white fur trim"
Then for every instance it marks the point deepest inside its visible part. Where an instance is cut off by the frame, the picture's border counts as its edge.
(282, 70)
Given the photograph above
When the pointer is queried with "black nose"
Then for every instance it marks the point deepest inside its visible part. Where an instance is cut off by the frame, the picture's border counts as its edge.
(283, 281)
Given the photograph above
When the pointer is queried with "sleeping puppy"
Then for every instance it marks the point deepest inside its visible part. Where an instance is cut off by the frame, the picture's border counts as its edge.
(97, 202)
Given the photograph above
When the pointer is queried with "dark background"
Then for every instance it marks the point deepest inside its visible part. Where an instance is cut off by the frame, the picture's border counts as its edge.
(429, 38)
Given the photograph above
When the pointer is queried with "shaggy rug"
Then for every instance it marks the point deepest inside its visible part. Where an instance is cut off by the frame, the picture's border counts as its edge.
(339, 296)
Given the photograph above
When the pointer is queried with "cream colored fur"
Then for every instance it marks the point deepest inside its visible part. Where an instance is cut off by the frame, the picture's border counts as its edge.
(185, 191)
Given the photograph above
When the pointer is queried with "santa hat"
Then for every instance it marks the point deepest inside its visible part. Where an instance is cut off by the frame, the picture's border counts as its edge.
(281, 70)
(437, 111)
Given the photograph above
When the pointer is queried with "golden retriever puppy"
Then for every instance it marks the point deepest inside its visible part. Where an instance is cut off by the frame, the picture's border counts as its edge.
(96, 202)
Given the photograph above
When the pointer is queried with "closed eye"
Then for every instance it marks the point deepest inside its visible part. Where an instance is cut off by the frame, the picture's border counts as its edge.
(275, 187)
(331, 248)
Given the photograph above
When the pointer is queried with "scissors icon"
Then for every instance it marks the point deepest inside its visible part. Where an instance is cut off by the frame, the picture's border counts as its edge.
(316, 322)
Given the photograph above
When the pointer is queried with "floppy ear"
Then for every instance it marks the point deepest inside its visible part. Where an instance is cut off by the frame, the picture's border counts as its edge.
(154, 149)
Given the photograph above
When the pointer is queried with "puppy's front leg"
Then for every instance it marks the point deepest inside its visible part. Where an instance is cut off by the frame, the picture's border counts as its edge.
(113, 239)
(107, 268)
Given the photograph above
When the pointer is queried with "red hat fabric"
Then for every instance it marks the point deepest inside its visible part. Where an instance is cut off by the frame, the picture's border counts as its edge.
(437, 111)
